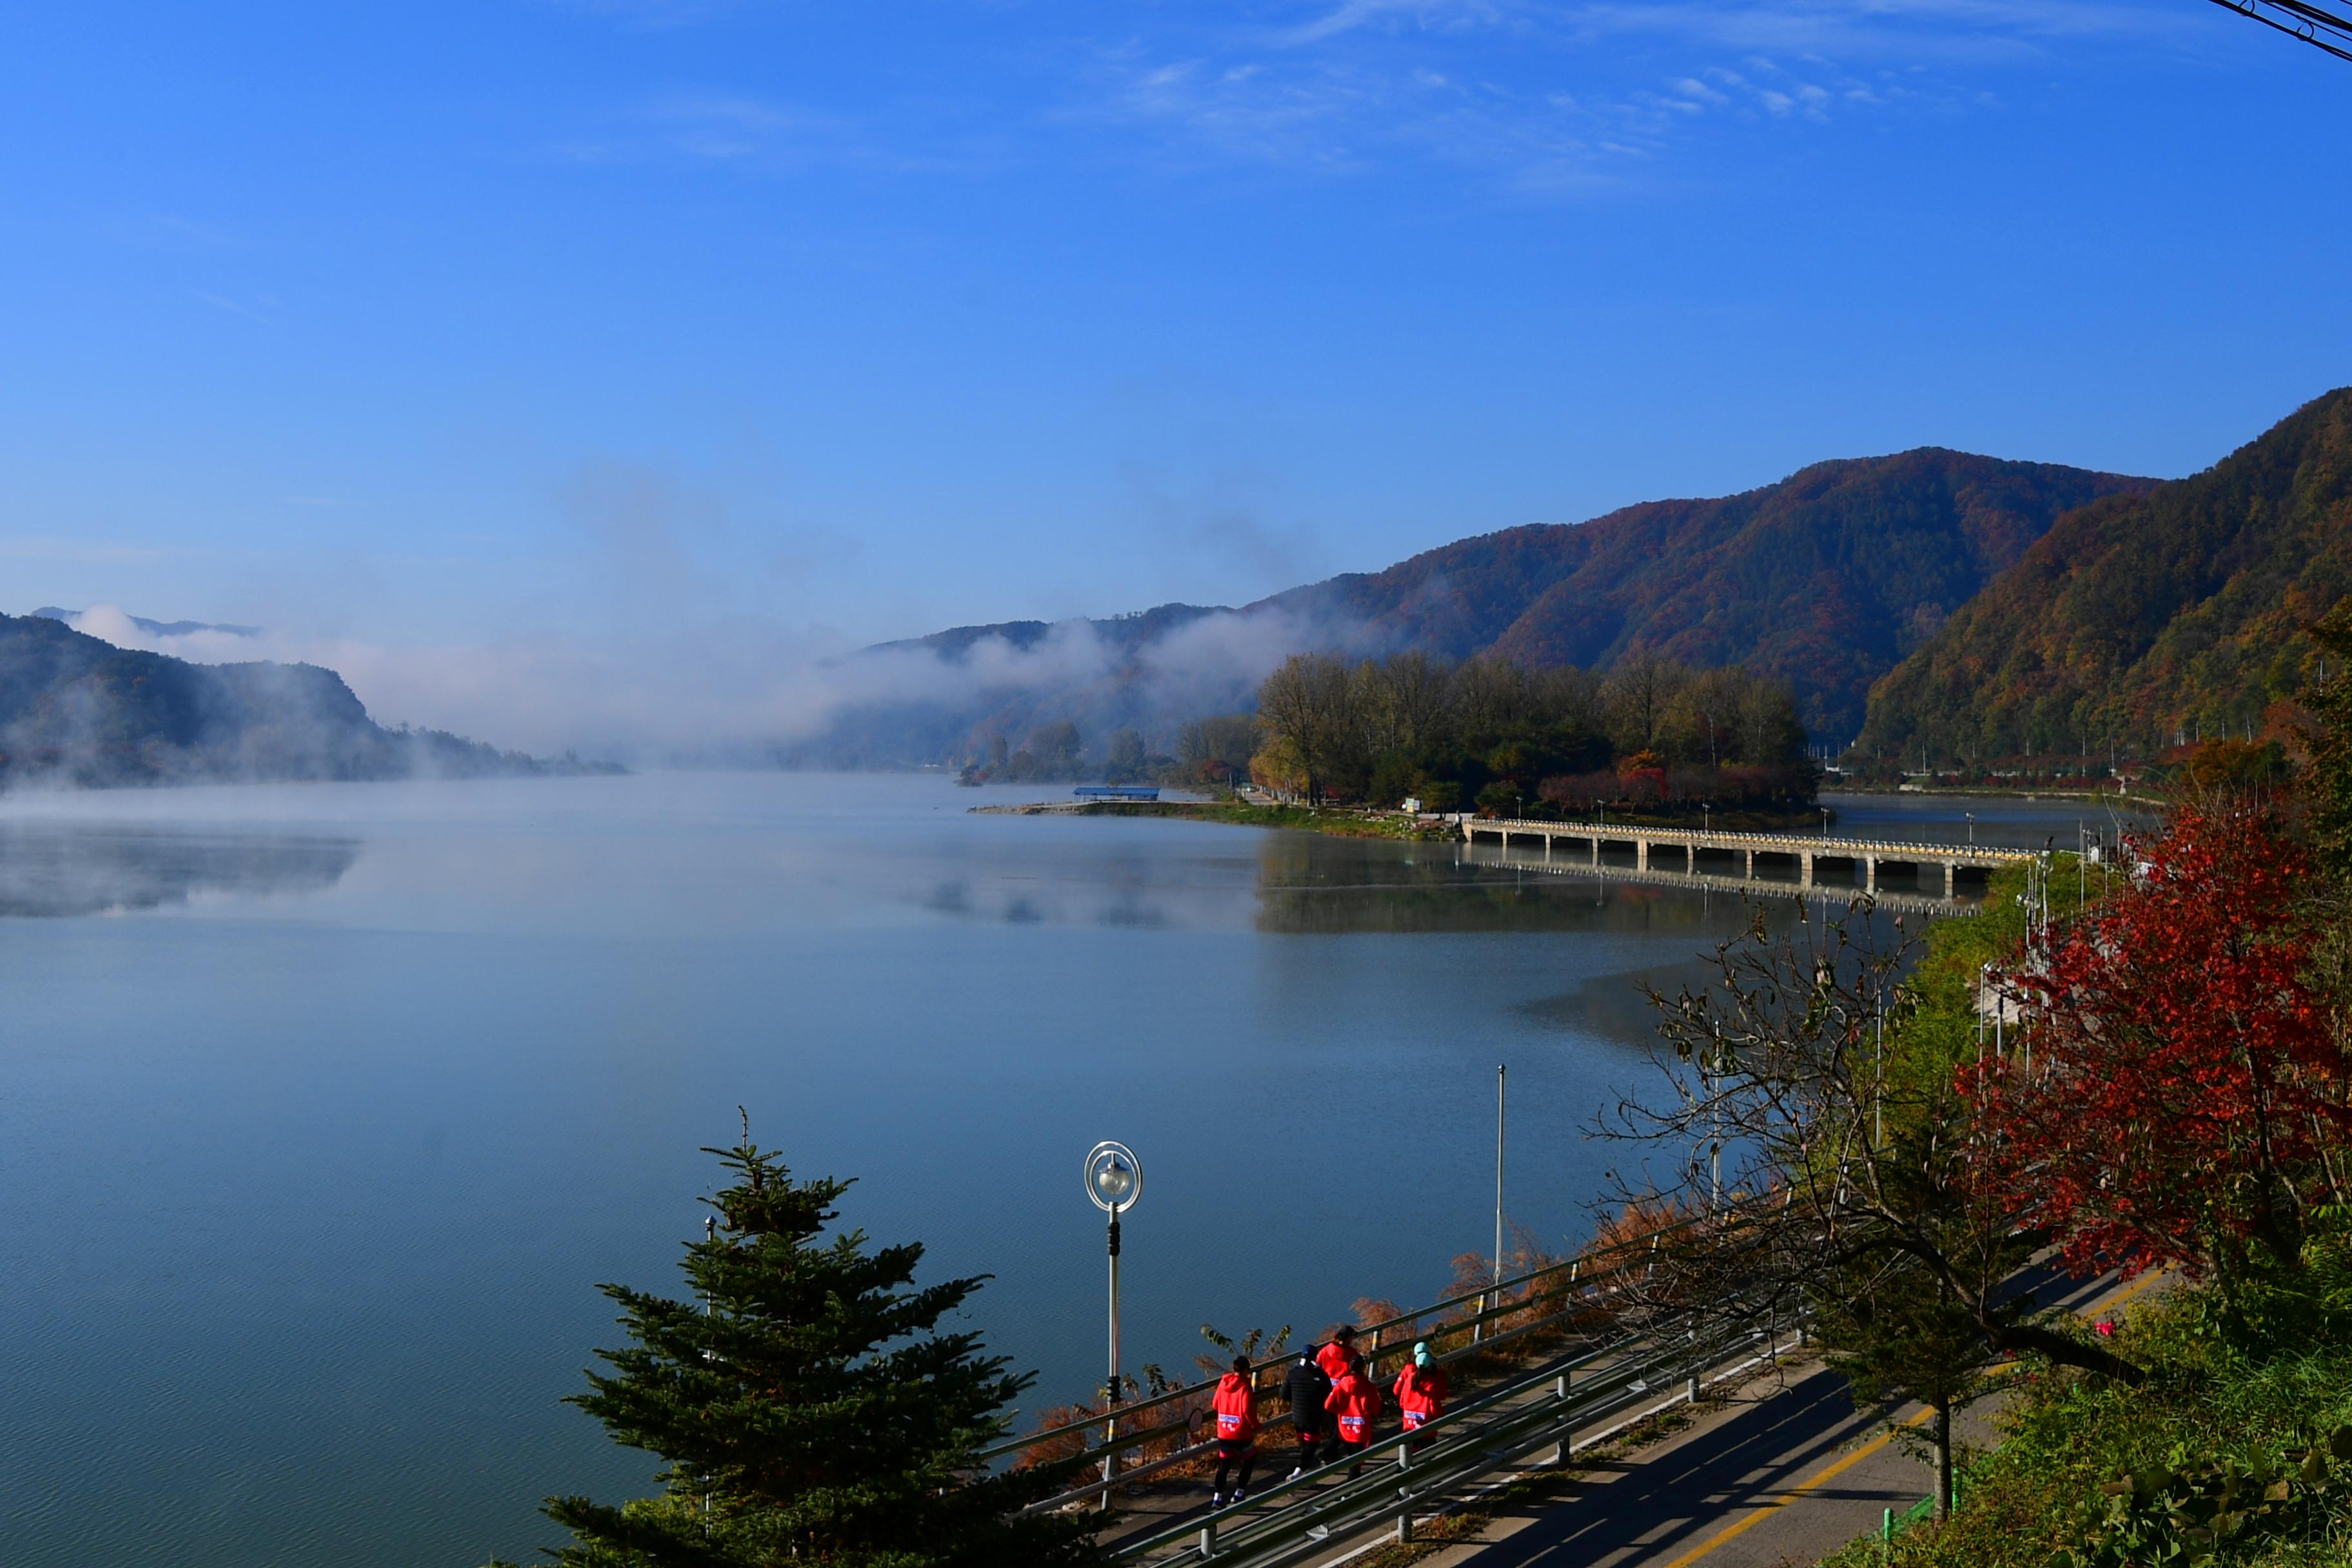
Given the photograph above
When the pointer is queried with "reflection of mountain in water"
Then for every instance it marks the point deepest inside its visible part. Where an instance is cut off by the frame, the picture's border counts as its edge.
(49, 869)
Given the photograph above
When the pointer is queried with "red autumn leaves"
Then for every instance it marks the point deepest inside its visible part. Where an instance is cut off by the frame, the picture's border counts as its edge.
(2178, 1094)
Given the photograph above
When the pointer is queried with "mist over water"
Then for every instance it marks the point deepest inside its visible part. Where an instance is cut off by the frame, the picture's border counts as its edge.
(323, 1109)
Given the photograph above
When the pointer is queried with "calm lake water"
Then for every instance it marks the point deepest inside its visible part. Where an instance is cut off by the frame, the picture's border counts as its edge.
(322, 1110)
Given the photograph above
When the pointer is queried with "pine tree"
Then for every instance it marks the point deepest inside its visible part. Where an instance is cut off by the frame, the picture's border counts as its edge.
(807, 1407)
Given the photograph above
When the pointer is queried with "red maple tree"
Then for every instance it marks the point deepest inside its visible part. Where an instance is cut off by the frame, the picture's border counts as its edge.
(2175, 1095)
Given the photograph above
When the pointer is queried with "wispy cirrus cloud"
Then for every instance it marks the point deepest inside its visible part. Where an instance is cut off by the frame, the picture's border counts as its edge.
(1568, 92)
(717, 127)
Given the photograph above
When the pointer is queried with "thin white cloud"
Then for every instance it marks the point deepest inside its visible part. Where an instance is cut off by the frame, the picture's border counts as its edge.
(1354, 15)
(1568, 94)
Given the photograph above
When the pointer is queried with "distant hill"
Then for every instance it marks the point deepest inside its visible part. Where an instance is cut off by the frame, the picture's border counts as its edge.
(1825, 579)
(78, 710)
(152, 628)
(2145, 614)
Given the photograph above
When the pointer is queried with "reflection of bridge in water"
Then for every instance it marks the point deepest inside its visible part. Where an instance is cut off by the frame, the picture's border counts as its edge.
(1747, 860)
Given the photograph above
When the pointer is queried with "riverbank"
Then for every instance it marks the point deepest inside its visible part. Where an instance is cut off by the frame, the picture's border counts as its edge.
(1344, 822)
(1339, 823)
(1989, 791)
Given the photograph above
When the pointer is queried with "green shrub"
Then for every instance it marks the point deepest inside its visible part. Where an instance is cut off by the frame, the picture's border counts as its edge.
(2237, 1453)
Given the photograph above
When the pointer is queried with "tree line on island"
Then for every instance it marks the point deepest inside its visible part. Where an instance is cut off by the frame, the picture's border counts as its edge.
(1651, 737)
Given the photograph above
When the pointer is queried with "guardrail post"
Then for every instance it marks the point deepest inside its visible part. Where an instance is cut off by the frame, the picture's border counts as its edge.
(1404, 1526)
(1691, 1395)
(1208, 1541)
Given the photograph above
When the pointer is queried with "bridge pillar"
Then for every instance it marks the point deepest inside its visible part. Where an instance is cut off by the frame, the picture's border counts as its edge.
(1750, 855)
(1595, 842)
(1870, 874)
(1641, 854)
(1951, 878)
(1805, 868)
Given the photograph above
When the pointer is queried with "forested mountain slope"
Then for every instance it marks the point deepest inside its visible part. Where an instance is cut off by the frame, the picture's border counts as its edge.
(75, 709)
(1825, 580)
(2143, 615)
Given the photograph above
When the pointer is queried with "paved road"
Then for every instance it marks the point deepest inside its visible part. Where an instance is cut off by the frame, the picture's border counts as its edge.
(1746, 1468)
(1784, 1473)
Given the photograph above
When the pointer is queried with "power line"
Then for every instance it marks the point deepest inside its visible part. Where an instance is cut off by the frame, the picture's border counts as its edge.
(2320, 30)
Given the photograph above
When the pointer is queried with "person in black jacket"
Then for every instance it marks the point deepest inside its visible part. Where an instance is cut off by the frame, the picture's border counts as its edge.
(1308, 1387)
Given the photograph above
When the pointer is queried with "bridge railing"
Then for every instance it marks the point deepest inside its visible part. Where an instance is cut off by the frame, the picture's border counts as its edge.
(1553, 1294)
(1784, 843)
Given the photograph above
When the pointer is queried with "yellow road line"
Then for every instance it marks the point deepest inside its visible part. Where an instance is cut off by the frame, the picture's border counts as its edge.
(1840, 1466)
(1819, 1477)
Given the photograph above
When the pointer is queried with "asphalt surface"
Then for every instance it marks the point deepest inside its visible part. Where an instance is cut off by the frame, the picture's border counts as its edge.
(1784, 1473)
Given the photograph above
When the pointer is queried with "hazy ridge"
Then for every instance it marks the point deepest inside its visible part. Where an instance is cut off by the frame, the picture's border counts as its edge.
(75, 709)
(1825, 580)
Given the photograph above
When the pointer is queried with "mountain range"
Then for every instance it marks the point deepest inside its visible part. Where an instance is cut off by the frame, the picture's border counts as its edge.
(1826, 580)
(78, 711)
(2144, 618)
(152, 628)
(1931, 603)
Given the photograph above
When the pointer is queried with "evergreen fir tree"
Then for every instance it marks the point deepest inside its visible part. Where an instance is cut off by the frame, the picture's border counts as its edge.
(807, 1407)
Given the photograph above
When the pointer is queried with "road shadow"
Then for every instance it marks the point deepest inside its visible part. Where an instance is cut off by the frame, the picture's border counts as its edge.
(1654, 1505)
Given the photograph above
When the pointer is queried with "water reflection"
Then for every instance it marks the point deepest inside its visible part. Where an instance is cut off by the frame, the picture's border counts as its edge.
(1337, 886)
(53, 870)
(1310, 884)
(1907, 889)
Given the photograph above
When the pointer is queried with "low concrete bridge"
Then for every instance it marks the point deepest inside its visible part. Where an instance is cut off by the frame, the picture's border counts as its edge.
(1689, 850)
(1526, 862)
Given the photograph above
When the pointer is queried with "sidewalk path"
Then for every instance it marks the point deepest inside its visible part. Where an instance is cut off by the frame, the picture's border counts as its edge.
(1784, 1473)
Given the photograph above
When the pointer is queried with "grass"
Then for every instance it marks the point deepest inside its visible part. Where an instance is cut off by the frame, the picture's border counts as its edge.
(2067, 1434)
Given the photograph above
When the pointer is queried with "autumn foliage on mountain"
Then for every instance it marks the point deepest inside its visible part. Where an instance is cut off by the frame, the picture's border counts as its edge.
(1820, 582)
(2145, 616)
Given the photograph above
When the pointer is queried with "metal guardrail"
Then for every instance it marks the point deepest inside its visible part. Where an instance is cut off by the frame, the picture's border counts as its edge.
(1781, 843)
(1588, 1272)
(1405, 1474)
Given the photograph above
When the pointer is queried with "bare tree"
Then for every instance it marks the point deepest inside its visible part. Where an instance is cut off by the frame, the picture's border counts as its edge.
(1309, 707)
(1831, 1149)
(1635, 695)
(1702, 720)
(1415, 695)
(1493, 698)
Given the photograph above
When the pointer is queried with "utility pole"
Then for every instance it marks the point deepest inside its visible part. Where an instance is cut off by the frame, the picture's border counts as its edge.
(1501, 1084)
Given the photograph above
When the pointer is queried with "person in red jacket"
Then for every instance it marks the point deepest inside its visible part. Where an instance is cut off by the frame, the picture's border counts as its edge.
(1334, 1357)
(1354, 1402)
(1420, 1388)
(1235, 1405)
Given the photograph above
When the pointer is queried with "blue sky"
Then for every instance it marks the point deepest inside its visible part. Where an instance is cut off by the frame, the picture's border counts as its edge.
(540, 321)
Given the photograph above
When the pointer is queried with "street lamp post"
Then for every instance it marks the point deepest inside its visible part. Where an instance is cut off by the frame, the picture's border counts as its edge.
(1114, 1181)
(1972, 827)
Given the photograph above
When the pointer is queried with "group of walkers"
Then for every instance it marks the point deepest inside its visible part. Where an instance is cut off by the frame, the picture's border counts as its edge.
(1333, 1406)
